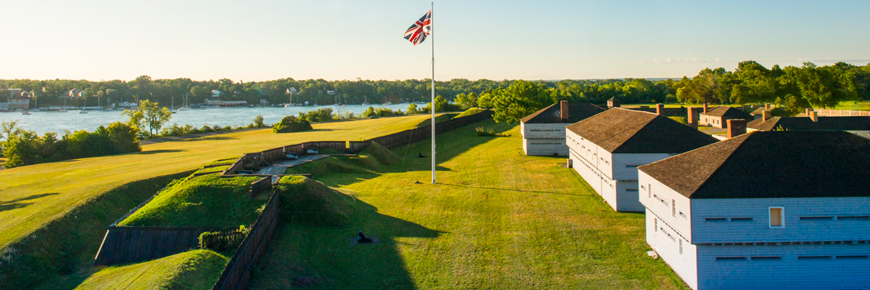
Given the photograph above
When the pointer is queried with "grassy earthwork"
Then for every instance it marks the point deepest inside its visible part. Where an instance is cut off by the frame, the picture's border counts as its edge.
(495, 219)
(75, 196)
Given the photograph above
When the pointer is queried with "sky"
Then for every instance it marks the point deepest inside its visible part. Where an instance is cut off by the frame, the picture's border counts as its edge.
(345, 40)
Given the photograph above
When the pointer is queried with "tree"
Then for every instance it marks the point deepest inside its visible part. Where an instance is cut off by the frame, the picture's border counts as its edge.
(518, 100)
(149, 114)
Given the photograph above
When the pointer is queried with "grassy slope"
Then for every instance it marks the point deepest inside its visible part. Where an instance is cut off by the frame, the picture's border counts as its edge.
(853, 105)
(496, 219)
(197, 269)
(31, 196)
(204, 201)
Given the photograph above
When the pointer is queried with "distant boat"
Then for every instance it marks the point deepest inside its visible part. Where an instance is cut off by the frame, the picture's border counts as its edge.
(366, 101)
(388, 103)
(25, 113)
(83, 112)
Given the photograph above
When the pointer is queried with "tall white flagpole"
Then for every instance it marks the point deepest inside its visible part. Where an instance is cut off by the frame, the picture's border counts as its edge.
(432, 36)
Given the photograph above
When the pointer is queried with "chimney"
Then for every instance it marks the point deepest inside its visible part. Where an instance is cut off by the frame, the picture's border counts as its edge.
(660, 109)
(767, 106)
(705, 108)
(694, 116)
(765, 115)
(736, 127)
(807, 111)
(815, 116)
(563, 109)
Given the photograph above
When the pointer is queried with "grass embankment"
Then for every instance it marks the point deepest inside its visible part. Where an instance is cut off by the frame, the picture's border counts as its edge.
(470, 112)
(197, 269)
(69, 241)
(203, 201)
(35, 197)
(496, 219)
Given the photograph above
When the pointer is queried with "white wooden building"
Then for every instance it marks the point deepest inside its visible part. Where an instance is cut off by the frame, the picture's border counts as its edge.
(719, 116)
(858, 125)
(607, 148)
(764, 210)
(544, 131)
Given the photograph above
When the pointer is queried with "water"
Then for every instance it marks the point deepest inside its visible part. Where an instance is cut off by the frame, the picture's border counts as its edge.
(57, 122)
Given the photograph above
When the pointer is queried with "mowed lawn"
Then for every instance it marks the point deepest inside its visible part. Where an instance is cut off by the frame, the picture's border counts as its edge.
(33, 195)
(496, 219)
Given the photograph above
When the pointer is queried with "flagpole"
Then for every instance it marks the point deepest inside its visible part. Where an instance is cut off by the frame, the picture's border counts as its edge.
(432, 36)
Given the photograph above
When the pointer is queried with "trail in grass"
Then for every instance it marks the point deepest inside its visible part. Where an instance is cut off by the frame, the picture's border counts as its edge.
(496, 219)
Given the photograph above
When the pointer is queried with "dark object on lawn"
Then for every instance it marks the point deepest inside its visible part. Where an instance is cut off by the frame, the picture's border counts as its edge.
(420, 155)
(363, 239)
(417, 182)
(373, 117)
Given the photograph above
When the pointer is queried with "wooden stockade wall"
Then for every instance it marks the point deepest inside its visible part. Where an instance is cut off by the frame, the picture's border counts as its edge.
(389, 141)
(261, 185)
(237, 274)
(841, 113)
(123, 245)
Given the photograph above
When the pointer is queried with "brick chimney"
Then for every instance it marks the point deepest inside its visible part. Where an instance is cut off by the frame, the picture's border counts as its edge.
(705, 108)
(736, 127)
(694, 116)
(807, 111)
(767, 106)
(815, 116)
(765, 115)
(660, 109)
(563, 109)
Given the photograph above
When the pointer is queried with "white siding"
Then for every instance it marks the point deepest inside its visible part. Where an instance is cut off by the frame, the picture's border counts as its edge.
(849, 220)
(779, 267)
(544, 139)
(660, 199)
(664, 240)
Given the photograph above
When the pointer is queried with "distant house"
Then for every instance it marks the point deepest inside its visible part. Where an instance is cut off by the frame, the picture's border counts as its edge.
(17, 100)
(765, 210)
(718, 117)
(75, 93)
(544, 131)
(607, 148)
(216, 93)
(330, 92)
(613, 103)
(856, 125)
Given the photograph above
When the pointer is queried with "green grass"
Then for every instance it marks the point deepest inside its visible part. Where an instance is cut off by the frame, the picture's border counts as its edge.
(496, 219)
(471, 111)
(35, 197)
(438, 118)
(204, 201)
(197, 269)
(853, 105)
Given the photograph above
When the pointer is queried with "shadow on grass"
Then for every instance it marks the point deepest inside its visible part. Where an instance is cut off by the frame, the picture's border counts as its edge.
(513, 190)
(17, 203)
(327, 258)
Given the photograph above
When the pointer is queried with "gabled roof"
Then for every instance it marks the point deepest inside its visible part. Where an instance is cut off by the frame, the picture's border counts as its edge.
(760, 111)
(855, 123)
(621, 130)
(728, 113)
(553, 113)
(770, 165)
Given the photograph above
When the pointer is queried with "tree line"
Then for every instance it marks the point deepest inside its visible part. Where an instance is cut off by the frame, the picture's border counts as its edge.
(750, 82)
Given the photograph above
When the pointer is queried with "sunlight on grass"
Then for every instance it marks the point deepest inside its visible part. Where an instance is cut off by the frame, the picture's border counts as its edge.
(496, 219)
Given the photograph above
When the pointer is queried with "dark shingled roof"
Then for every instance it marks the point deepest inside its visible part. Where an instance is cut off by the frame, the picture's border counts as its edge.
(621, 130)
(770, 165)
(807, 124)
(728, 113)
(553, 113)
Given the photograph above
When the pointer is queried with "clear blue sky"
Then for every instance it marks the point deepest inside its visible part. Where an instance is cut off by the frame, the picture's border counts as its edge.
(263, 40)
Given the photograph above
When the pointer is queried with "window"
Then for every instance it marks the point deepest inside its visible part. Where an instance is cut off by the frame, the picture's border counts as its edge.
(730, 258)
(816, 218)
(771, 258)
(814, 257)
(776, 217)
(649, 190)
(681, 247)
(673, 207)
(656, 225)
(715, 219)
(857, 257)
(741, 219)
(861, 217)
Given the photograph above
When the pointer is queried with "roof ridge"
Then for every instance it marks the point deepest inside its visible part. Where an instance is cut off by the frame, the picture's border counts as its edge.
(627, 129)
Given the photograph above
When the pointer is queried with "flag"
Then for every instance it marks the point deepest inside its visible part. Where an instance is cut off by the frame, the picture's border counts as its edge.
(418, 31)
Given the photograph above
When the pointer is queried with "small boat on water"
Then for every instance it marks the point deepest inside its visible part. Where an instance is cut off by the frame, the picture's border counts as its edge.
(25, 113)
(83, 112)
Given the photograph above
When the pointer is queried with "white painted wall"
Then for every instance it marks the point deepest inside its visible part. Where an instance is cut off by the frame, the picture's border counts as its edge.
(666, 242)
(842, 225)
(759, 267)
(544, 139)
(662, 200)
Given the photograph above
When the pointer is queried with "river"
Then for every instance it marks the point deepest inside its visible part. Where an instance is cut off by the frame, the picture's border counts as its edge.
(58, 122)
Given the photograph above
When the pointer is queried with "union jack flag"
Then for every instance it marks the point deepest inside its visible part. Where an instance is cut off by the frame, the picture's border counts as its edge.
(418, 31)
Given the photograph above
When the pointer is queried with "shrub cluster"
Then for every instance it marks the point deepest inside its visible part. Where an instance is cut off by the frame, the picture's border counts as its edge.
(291, 124)
(23, 147)
(381, 112)
(222, 241)
(177, 130)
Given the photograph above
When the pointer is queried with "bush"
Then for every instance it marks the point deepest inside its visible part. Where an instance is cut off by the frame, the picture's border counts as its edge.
(481, 131)
(319, 115)
(222, 241)
(291, 124)
(24, 147)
